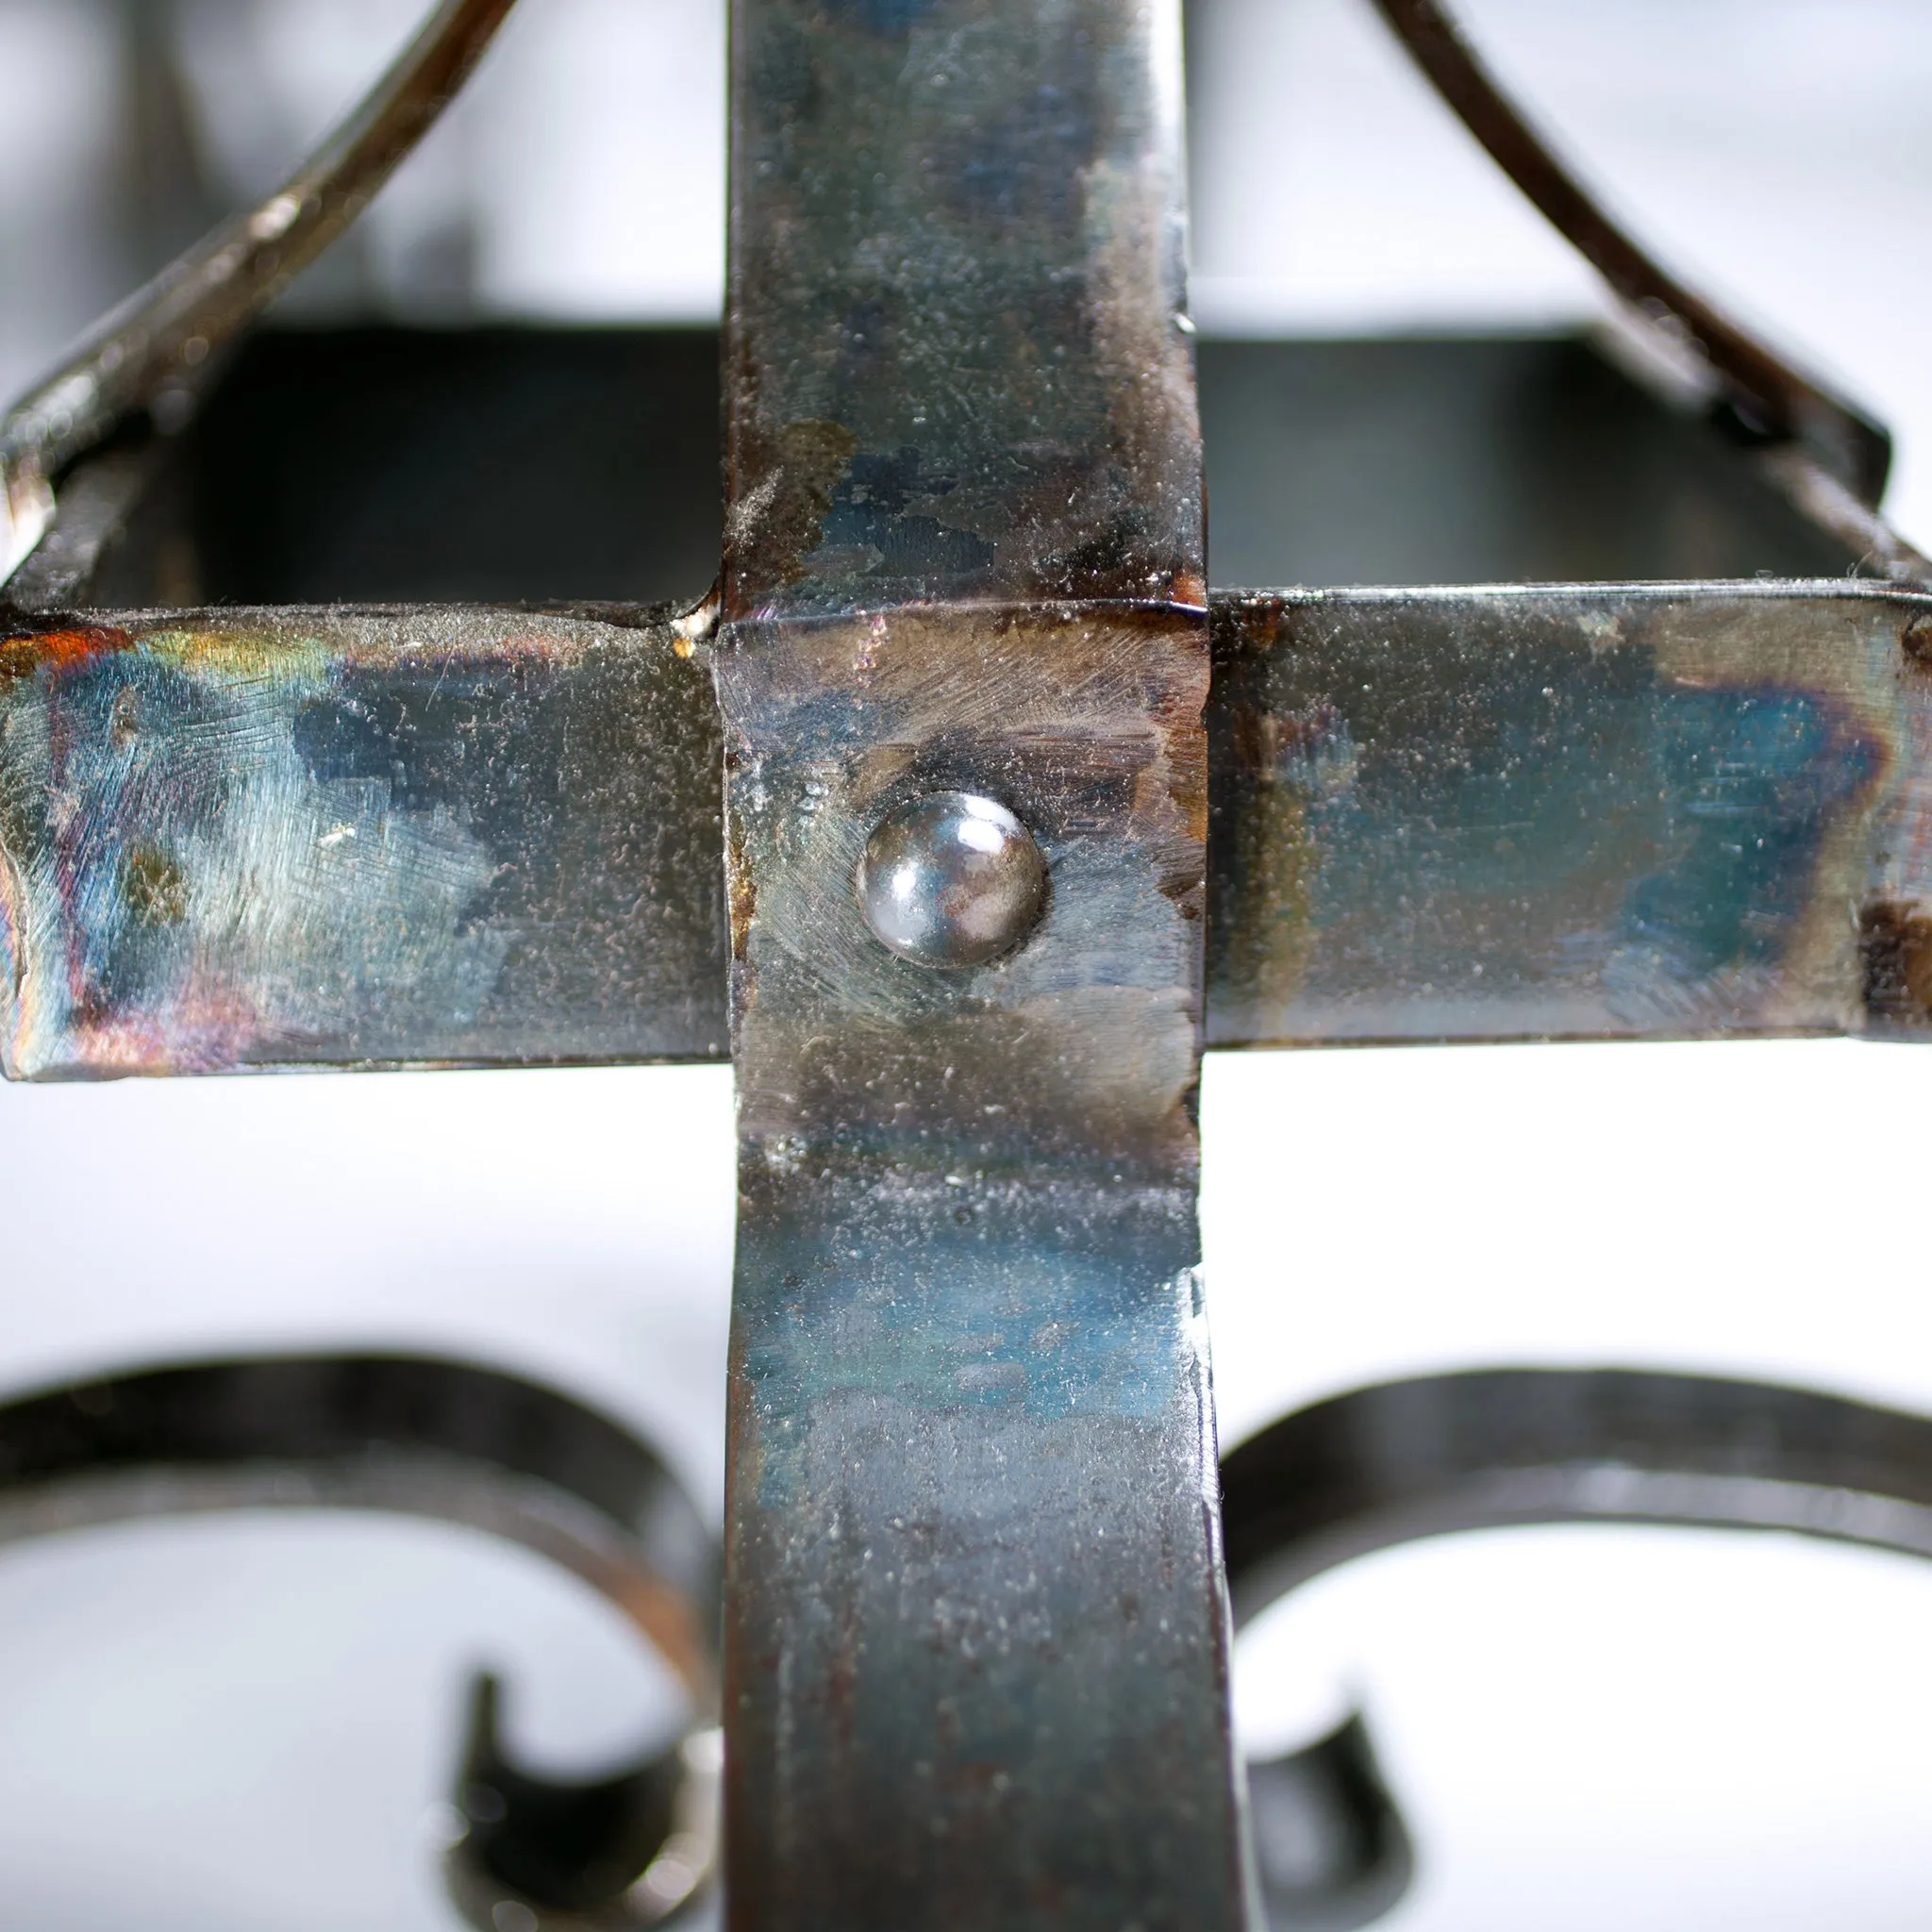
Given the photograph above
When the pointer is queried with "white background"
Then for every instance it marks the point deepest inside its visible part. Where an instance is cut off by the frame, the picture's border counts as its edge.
(244, 1726)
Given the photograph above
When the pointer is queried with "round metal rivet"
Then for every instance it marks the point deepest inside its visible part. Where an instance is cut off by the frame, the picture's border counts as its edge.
(951, 879)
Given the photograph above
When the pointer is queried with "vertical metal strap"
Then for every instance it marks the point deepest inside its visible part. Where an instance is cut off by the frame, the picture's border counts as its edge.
(976, 1639)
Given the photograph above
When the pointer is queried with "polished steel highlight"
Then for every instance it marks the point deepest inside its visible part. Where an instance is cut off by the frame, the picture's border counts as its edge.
(952, 880)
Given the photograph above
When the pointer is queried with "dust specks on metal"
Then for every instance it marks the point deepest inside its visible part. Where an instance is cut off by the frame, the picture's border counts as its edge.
(972, 1532)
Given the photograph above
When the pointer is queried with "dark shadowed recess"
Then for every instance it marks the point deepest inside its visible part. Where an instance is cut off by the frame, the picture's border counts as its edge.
(387, 464)
(1474, 460)
(475, 466)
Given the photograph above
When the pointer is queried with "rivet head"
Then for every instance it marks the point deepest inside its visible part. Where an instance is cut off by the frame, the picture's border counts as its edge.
(952, 880)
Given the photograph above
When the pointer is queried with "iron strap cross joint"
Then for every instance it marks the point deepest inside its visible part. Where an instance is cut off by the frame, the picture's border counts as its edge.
(1011, 813)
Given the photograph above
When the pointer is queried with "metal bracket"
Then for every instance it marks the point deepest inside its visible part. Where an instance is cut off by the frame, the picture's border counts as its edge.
(953, 722)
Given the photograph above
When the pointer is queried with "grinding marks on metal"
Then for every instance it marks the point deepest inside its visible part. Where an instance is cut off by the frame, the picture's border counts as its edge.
(970, 1524)
(492, 838)
(245, 839)
(976, 1635)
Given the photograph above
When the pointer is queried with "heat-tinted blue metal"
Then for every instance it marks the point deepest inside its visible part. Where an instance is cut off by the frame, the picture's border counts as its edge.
(244, 839)
(977, 1669)
(1573, 812)
(960, 226)
(490, 838)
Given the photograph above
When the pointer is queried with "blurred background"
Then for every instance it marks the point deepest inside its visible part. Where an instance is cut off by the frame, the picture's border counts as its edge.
(252, 1722)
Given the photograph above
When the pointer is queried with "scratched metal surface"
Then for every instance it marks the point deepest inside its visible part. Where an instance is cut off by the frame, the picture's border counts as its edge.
(244, 839)
(1570, 813)
(976, 1639)
(1683, 810)
(961, 228)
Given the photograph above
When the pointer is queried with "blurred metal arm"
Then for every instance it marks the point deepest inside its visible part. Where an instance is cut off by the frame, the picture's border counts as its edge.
(1439, 1456)
(454, 1444)
(406, 1434)
(1825, 454)
(1490, 1448)
(164, 338)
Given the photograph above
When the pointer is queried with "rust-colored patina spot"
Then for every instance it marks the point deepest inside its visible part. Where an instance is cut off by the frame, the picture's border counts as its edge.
(1896, 943)
(154, 887)
(58, 650)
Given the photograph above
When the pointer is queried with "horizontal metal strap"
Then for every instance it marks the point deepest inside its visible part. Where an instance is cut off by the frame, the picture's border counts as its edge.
(1562, 811)
(403, 836)
(253, 839)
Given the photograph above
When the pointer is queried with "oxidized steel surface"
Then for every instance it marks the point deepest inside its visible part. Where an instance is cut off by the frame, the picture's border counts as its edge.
(491, 837)
(956, 369)
(974, 1641)
(244, 838)
(1572, 813)
(975, 1633)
